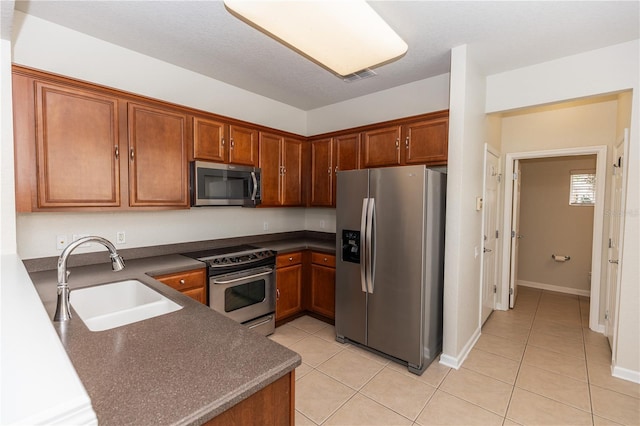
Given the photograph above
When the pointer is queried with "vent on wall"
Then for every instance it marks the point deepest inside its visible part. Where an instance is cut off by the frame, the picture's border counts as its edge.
(360, 75)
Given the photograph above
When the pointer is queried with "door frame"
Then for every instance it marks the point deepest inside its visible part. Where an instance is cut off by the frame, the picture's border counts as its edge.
(489, 150)
(600, 151)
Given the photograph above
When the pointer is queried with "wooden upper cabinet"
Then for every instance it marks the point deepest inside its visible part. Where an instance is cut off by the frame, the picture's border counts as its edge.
(346, 152)
(157, 157)
(328, 156)
(281, 170)
(322, 172)
(425, 142)
(291, 172)
(243, 146)
(270, 168)
(209, 142)
(77, 147)
(381, 147)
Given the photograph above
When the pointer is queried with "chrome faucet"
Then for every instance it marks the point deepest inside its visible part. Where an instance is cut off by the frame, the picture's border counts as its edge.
(62, 307)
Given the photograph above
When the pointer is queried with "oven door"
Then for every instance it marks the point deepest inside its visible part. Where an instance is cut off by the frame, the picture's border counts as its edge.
(244, 296)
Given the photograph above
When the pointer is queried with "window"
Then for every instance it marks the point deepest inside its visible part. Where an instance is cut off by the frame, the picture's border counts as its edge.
(583, 188)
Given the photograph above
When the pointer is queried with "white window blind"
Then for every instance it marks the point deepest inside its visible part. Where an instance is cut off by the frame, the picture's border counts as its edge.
(583, 188)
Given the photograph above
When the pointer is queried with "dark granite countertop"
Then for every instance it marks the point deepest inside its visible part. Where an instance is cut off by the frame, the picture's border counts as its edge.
(297, 244)
(181, 368)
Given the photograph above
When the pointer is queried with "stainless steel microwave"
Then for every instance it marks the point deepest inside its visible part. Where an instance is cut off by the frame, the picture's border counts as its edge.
(214, 184)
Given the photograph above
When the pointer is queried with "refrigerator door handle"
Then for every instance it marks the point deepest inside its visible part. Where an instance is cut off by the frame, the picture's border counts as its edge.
(363, 230)
(371, 209)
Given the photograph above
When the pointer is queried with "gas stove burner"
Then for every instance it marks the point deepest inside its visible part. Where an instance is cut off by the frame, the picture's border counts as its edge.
(232, 256)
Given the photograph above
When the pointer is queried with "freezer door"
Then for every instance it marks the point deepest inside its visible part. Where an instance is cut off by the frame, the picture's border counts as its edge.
(395, 308)
(350, 319)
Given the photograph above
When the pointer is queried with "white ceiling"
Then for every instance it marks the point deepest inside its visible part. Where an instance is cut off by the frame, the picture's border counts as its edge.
(204, 37)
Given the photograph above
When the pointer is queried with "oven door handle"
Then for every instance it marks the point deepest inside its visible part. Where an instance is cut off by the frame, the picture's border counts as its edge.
(243, 278)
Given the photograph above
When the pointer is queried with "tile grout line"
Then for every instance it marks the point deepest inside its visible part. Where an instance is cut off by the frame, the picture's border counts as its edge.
(506, 412)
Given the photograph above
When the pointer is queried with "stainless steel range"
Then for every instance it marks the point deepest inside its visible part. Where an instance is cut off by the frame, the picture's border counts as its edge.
(242, 284)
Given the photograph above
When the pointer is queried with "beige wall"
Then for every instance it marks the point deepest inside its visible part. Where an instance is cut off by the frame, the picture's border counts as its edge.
(550, 225)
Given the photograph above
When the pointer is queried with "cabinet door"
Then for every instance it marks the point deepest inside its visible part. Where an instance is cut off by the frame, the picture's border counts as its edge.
(289, 291)
(291, 172)
(208, 140)
(425, 142)
(77, 148)
(271, 171)
(243, 146)
(381, 147)
(157, 157)
(321, 172)
(346, 155)
(323, 290)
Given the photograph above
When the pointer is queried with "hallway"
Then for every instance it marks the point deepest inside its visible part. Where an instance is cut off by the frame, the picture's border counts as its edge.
(535, 364)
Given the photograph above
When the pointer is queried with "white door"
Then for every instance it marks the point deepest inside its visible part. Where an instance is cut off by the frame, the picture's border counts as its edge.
(490, 231)
(515, 234)
(616, 220)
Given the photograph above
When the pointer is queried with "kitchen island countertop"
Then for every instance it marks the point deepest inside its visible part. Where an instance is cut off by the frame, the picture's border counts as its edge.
(184, 367)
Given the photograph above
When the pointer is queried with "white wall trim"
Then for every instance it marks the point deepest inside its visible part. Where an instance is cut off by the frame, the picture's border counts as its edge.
(625, 374)
(598, 219)
(556, 288)
(456, 362)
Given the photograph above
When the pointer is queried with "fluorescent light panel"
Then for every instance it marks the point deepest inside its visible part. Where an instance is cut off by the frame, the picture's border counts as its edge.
(344, 36)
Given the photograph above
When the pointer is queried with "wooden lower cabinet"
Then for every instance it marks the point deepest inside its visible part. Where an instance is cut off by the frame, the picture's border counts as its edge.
(273, 405)
(288, 284)
(323, 284)
(190, 283)
(306, 282)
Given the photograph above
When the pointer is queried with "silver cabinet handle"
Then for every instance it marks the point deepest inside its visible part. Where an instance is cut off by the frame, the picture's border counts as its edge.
(336, 170)
(326, 260)
(181, 282)
(329, 170)
(406, 142)
(291, 259)
(222, 141)
(397, 143)
(117, 152)
(131, 154)
(277, 294)
(232, 143)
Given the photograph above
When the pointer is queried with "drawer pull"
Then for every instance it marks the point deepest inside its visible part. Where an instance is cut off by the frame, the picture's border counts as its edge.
(326, 260)
(182, 282)
(291, 259)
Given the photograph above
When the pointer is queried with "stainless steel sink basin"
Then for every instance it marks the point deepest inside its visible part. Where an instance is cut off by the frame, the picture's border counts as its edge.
(116, 304)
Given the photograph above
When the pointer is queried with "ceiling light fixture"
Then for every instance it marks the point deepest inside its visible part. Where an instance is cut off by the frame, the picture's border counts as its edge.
(345, 36)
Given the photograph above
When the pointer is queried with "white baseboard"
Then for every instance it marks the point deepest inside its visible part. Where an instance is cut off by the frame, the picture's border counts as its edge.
(556, 288)
(456, 361)
(625, 374)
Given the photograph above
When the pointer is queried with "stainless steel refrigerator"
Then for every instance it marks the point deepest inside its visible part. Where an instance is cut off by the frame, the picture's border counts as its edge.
(390, 261)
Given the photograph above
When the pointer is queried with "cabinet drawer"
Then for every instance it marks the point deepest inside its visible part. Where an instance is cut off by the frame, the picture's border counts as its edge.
(323, 259)
(288, 259)
(184, 280)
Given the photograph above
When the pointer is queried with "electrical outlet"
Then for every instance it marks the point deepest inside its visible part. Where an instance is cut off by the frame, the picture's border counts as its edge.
(61, 242)
(265, 226)
(121, 237)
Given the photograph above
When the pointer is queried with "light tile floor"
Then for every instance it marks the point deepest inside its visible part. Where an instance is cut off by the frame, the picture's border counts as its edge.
(536, 364)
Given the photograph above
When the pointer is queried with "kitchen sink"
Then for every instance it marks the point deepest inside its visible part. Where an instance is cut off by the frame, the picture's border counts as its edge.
(112, 305)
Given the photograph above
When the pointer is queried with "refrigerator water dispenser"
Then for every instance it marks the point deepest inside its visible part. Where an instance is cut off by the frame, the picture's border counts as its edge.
(351, 246)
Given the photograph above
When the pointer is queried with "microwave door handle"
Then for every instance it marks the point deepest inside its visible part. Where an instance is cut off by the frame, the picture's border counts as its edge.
(250, 277)
(255, 186)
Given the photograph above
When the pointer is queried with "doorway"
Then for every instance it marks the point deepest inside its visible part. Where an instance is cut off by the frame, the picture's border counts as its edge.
(511, 229)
